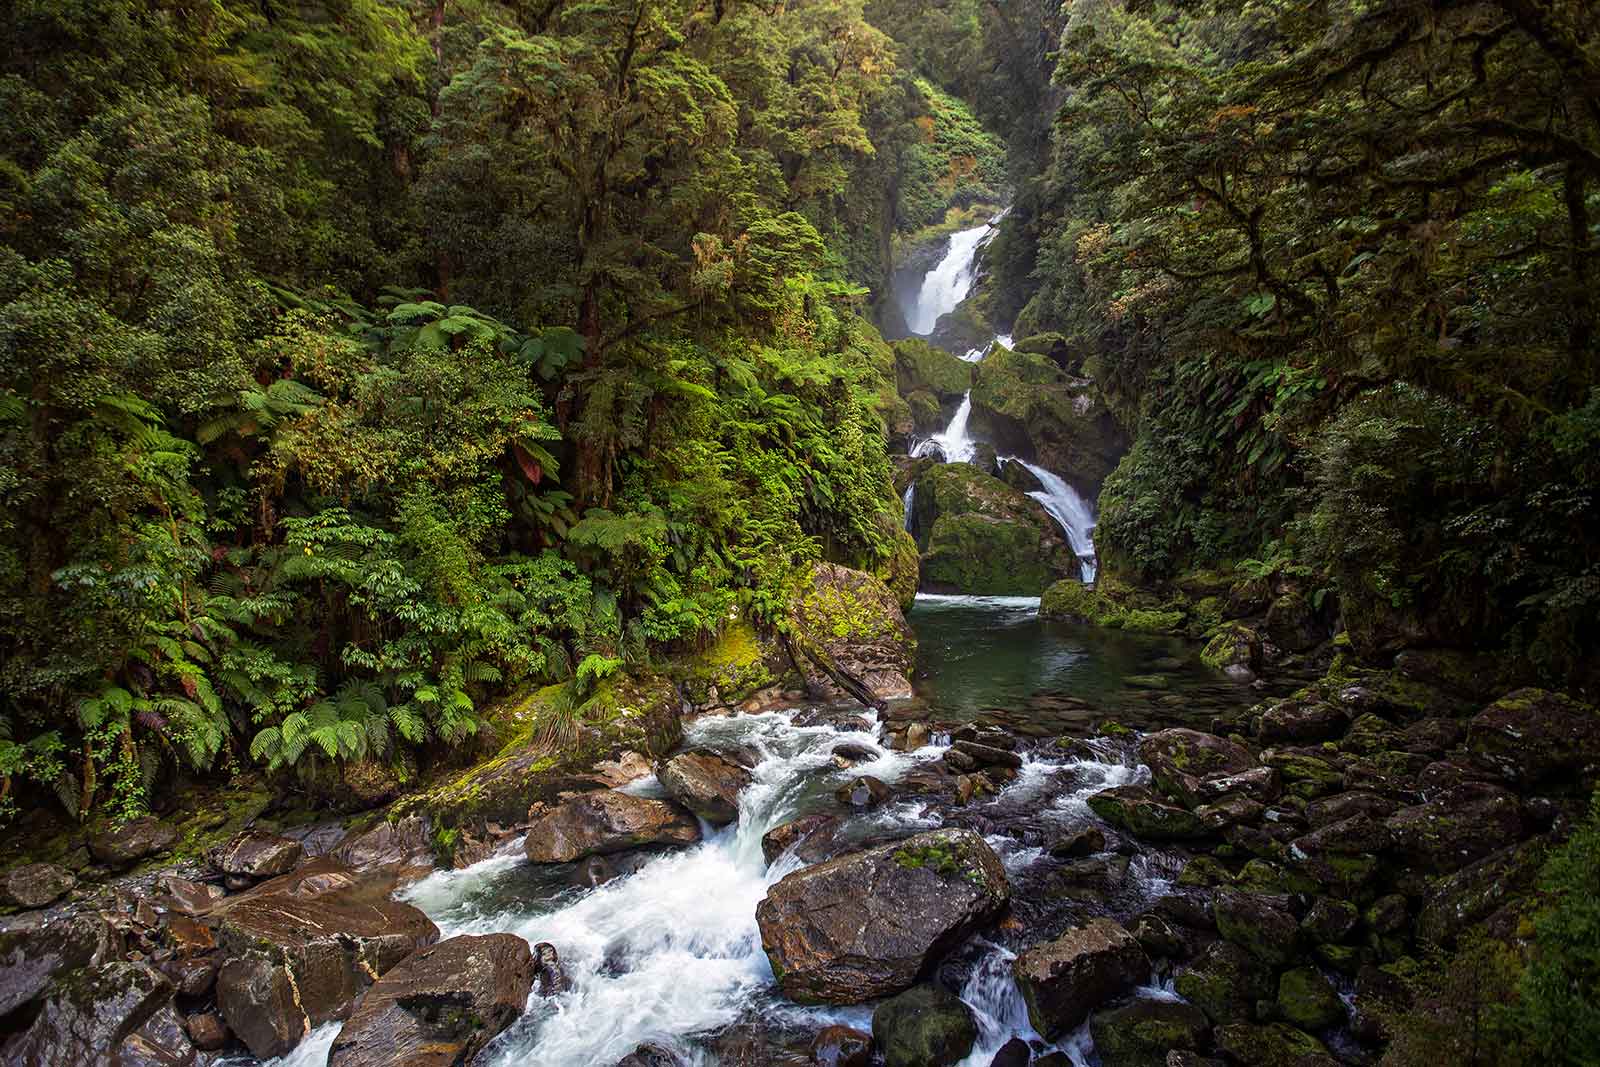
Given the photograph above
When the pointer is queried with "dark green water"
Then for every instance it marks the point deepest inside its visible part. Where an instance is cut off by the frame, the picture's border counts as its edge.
(977, 656)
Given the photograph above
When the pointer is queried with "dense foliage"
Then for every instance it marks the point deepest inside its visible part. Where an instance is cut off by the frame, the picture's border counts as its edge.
(1335, 265)
(362, 360)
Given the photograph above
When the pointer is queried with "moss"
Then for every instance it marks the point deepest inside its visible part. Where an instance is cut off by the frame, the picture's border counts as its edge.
(1152, 622)
(921, 367)
(1306, 999)
(903, 571)
(735, 665)
(1073, 601)
(979, 554)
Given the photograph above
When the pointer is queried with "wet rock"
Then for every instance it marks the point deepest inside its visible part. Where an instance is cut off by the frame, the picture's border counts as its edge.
(1137, 810)
(186, 897)
(1308, 1000)
(1433, 736)
(706, 783)
(849, 753)
(1341, 855)
(960, 761)
(188, 936)
(1257, 783)
(1305, 775)
(1236, 650)
(1448, 773)
(924, 1027)
(31, 958)
(1230, 811)
(1158, 938)
(124, 845)
(1534, 736)
(256, 854)
(1259, 924)
(1014, 1053)
(33, 885)
(1469, 896)
(1079, 841)
(1342, 806)
(1180, 758)
(1388, 914)
(97, 1015)
(809, 836)
(192, 977)
(1225, 982)
(1301, 722)
(651, 1056)
(1144, 1031)
(300, 948)
(403, 842)
(549, 976)
(208, 1032)
(863, 793)
(868, 923)
(1329, 920)
(605, 820)
(841, 1046)
(440, 1005)
(161, 1041)
(1065, 979)
(1457, 827)
(1272, 1045)
(988, 755)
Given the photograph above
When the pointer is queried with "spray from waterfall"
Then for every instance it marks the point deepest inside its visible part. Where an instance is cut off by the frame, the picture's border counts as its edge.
(1072, 513)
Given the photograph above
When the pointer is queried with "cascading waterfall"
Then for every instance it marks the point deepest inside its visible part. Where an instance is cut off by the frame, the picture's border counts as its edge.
(1072, 513)
(949, 282)
(954, 443)
(906, 501)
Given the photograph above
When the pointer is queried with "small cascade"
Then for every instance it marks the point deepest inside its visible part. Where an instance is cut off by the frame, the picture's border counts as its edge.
(954, 443)
(906, 501)
(1072, 512)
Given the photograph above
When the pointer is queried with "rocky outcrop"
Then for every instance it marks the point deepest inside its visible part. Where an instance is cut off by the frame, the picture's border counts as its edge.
(1181, 760)
(1028, 406)
(299, 950)
(1136, 809)
(925, 1026)
(439, 1006)
(982, 535)
(850, 638)
(705, 783)
(869, 923)
(31, 958)
(605, 821)
(123, 845)
(920, 367)
(1535, 737)
(1144, 1031)
(118, 1014)
(1065, 979)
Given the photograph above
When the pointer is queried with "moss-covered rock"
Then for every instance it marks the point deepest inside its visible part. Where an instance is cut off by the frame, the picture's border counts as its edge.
(1225, 982)
(1234, 649)
(925, 412)
(847, 622)
(734, 666)
(1072, 601)
(1273, 1045)
(902, 573)
(982, 535)
(1027, 404)
(1140, 1034)
(920, 367)
(1308, 1000)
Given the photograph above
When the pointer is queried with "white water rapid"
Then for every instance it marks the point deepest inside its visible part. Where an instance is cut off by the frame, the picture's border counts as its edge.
(950, 280)
(954, 443)
(1072, 513)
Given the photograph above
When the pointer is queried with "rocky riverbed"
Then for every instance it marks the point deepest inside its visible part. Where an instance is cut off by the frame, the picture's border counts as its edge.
(1180, 882)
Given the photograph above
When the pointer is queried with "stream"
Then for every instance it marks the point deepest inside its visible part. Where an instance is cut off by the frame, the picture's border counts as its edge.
(670, 955)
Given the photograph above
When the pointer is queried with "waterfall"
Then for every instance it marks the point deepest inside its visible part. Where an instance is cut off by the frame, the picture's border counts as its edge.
(906, 500)
(949, 282)
(954, 443)
(1074, 514)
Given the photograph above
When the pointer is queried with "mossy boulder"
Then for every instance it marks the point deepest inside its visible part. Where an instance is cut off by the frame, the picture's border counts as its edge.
(740, 661)
(1308, 1000)
(1028, 405)
(1235, 649)
(924, 1027)
(1055, 348)
(1225, 982)
(985, 536)
(925, 413)
(1259, 924)
(920, 367)
(625, 713)
(1140, 1034)
(1139, 811)
(1072, 601)
(1535, 737)
(1273, 1045)
(847, 624)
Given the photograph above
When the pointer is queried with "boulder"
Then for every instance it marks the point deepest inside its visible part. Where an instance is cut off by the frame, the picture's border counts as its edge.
(119, 1013)
(809, 837)
(33, 885)
(440, 1005)
(1292, 624)
(1457, 827)
(1141, 1033)
(31, 958)
(989, 755)
(1179, 758)
(257, 854)
(186, 897)
(1136, 809)
(1300, 722)
(1342, 806)
(1234, 649)
(869, 923)
(1065, 979)
(1078, 842)
(1272, 1045)
(604, 821)
(1534, 736)
(1329, 920)
(399, 843)
(1469, 896)
(1308, 1000)
(1341, 855)
(841, 1046)
(705, 783)
(126, 844)
(848, 630)
(1070, 600)
(863, 793)
(924, 1027)
(1225, 982)
(1029, 406)
(920, 366)
(208, 1032)
(1259, 924)
(300, 948)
